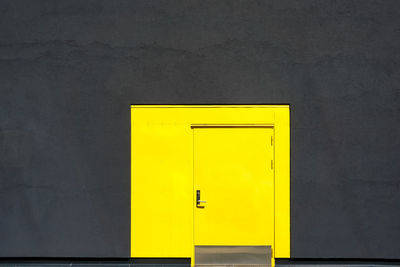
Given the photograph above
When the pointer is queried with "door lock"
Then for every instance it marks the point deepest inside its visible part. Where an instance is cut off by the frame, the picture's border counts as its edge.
(198, 201)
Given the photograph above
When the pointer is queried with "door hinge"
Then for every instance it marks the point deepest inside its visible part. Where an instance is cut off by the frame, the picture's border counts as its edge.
(272, 164)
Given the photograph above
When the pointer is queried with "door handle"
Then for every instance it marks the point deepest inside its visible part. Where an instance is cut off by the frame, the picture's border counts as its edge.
(198, 201)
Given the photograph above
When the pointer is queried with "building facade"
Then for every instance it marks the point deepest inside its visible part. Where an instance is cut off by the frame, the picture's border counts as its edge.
(71, 70)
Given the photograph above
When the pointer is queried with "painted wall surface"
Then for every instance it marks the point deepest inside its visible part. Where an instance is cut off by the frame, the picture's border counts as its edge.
(165, 173)
(70, 70)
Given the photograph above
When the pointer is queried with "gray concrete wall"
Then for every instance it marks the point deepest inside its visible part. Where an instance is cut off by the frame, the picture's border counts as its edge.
(69, 71)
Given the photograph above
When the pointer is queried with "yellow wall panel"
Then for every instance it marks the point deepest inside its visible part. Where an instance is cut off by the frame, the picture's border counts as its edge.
(162, 173)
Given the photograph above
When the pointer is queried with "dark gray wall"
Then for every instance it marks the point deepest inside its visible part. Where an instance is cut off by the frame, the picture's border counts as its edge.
(69, 71)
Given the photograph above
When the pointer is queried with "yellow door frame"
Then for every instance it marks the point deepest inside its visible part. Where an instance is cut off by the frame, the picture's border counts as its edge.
(162, 173)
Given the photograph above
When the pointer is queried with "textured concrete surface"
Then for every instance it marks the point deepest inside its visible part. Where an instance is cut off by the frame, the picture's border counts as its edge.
(70, 69)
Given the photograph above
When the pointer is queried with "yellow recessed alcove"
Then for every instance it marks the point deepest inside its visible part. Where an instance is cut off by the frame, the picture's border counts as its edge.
(209, 175)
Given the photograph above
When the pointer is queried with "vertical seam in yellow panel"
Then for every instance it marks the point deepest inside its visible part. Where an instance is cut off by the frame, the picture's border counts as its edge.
(274, 168)
(193, 196)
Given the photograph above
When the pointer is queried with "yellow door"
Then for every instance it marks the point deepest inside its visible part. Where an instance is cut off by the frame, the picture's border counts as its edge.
(233, 174)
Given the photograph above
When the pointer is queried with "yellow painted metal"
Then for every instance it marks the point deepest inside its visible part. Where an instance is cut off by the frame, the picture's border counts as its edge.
(162, 196)
(234, 172)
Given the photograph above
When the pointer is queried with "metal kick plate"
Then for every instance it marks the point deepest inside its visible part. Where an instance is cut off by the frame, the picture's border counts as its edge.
(232, 255)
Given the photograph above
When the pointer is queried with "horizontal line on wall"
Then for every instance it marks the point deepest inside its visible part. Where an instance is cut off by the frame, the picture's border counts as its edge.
(338, 261)
(258, 105)
(231, 125)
